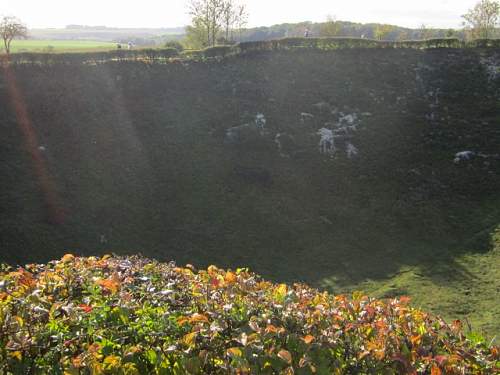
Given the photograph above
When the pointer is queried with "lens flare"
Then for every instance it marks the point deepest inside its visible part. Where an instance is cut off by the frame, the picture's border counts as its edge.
(55, 211)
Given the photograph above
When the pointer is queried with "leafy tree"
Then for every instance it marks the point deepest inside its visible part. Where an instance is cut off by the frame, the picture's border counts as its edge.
(331, 27)
(481, 20)
(207, 18)
(197, 35)
(10, 28)
(382, 31)
(450, 33)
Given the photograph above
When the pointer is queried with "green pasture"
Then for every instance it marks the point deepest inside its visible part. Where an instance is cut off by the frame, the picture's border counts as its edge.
(43, 45)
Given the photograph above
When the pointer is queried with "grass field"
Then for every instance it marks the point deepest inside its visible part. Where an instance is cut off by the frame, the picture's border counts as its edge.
(42, 45)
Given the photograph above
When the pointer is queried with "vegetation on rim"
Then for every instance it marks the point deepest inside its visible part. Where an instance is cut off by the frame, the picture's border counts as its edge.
(115, 315)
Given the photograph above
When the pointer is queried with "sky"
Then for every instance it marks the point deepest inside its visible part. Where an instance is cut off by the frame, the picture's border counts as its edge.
(173, 13)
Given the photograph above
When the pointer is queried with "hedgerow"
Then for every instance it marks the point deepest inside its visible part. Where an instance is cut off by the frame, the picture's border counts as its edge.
(165, 55)
(118, 315)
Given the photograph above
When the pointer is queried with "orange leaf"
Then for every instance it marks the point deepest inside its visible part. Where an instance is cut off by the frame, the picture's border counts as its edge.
(285, 356)
(198, 318)
(416, 340)
(25, 278)
(435, 370)
(494, 351)
(94, 348)
(381, 325)
(404, 300)
(230, 277)
(379, 354)
(67, 258)
(271, 329)
(111, 285)
(308, 339)
(234, 352)
(77, 362)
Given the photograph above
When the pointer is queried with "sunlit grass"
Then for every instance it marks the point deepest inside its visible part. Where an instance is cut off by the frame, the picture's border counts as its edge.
(41, 45)
(462, 289)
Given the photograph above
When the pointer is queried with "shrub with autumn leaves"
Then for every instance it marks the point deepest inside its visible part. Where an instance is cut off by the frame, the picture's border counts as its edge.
(117, 315)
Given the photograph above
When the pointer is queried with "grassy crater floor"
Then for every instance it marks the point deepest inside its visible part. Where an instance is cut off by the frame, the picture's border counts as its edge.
(131, 315)
(468, 287)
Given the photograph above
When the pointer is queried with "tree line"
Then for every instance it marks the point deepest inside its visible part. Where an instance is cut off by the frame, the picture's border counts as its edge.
(215, 22)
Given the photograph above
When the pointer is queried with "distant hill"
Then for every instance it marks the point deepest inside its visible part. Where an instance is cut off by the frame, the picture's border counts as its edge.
(141, 36)
(158, 36)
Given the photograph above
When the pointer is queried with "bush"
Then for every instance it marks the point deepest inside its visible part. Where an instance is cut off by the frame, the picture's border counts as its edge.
(217, 51)
(115, 315)
(193, 54)
(484, 43)
(173, 44)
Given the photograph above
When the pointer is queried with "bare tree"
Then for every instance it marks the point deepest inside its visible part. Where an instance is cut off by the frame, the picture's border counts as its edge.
(10, 28)
(210, 17)
(241, 18)
(425, 32)
(207, 13)
(481, 20)
(229, 17)
(234, 16)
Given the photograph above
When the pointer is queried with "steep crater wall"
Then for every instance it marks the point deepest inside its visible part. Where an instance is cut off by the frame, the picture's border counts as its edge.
(298, 164)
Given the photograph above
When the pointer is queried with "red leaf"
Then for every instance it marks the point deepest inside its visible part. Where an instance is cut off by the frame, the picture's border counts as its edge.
(214, 282)
(404, 300)
(85, 308)
(441, 359)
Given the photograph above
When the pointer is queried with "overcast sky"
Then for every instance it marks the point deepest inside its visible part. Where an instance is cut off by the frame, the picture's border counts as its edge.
(172, 13)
